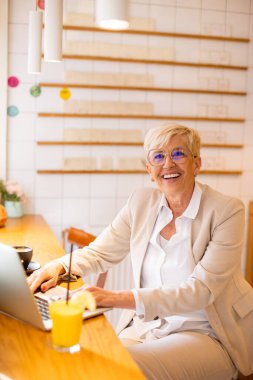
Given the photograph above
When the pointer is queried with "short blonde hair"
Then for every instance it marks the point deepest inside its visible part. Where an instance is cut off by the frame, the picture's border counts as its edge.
(158, 137)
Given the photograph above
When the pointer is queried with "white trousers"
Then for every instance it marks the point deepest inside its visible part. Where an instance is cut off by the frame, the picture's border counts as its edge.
(183, 355)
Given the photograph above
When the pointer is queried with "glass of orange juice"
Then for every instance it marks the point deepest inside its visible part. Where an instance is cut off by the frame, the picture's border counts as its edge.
(67, 324)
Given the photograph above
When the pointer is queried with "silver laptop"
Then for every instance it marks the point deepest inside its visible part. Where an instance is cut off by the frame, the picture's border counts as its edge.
(16, 299)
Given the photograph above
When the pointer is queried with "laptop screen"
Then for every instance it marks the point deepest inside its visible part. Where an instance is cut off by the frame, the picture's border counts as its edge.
(16, 298)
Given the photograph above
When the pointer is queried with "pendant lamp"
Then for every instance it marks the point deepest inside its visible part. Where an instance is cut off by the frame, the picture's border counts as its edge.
(112, 14)
(53, 30)
(34, 42)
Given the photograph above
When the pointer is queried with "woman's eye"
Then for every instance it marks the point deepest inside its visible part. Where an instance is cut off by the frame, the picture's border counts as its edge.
(178, 153)
(159, 157)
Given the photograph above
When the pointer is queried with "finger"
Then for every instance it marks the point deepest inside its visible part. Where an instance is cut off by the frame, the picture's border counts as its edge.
(48, 284)
(32, 277)
(91, 288)
(35, 284)
(36, 280)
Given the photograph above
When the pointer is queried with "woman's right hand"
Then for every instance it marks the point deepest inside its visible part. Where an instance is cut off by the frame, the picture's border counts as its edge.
(45, 277)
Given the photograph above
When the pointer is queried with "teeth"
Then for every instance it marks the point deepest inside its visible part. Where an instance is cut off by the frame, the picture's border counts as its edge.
(167, 176)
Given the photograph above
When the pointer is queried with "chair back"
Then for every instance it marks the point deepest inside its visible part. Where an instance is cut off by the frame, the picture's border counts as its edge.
(78, 237)
(249, 257)
(81, 238)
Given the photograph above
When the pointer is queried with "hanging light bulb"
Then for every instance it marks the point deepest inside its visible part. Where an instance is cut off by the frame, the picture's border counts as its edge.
(112, 14)
(53, 30)
(34, 42)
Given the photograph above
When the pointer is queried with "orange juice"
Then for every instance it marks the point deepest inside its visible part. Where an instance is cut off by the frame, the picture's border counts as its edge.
(67, 323)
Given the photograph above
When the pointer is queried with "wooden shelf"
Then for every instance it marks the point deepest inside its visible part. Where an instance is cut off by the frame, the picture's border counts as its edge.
(147, 117)
(156, 33)
(212, 172)
(107, 143)
(120, 143)
(226, 146)
(153, 61)
(141, 88)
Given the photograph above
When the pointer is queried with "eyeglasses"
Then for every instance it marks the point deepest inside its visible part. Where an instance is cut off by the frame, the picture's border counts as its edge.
(157, 157)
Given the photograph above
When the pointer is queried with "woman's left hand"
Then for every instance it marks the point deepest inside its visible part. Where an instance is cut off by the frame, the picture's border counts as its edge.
(108, 298)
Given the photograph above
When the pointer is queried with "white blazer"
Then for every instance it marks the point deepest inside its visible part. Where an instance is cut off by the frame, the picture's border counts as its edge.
(216, 283)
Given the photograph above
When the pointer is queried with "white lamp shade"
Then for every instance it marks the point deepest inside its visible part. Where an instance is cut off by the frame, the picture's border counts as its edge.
(34, 42)
(112, 14)
(53, 30)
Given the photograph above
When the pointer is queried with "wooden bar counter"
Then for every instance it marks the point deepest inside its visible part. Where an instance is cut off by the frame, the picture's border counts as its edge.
(26, 353)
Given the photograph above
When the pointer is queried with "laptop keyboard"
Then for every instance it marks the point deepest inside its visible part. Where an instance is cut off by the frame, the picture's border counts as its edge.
(43, 307)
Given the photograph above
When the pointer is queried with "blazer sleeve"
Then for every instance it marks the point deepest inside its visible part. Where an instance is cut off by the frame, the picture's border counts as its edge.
(220, 259)
(108, 249)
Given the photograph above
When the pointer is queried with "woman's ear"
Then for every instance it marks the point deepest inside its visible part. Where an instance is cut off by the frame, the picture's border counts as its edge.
(197, 161)
(148, 168)
(149, 171)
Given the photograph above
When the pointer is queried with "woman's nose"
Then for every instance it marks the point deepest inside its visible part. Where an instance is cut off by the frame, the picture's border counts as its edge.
(168, 161)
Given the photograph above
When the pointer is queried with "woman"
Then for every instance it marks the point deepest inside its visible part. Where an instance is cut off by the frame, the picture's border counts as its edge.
(191, 312)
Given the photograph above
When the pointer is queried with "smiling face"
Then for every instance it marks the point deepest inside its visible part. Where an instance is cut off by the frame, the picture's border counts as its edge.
(176, 179)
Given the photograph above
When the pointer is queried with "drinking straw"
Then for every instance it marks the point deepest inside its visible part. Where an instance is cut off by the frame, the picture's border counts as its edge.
(69, 272)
